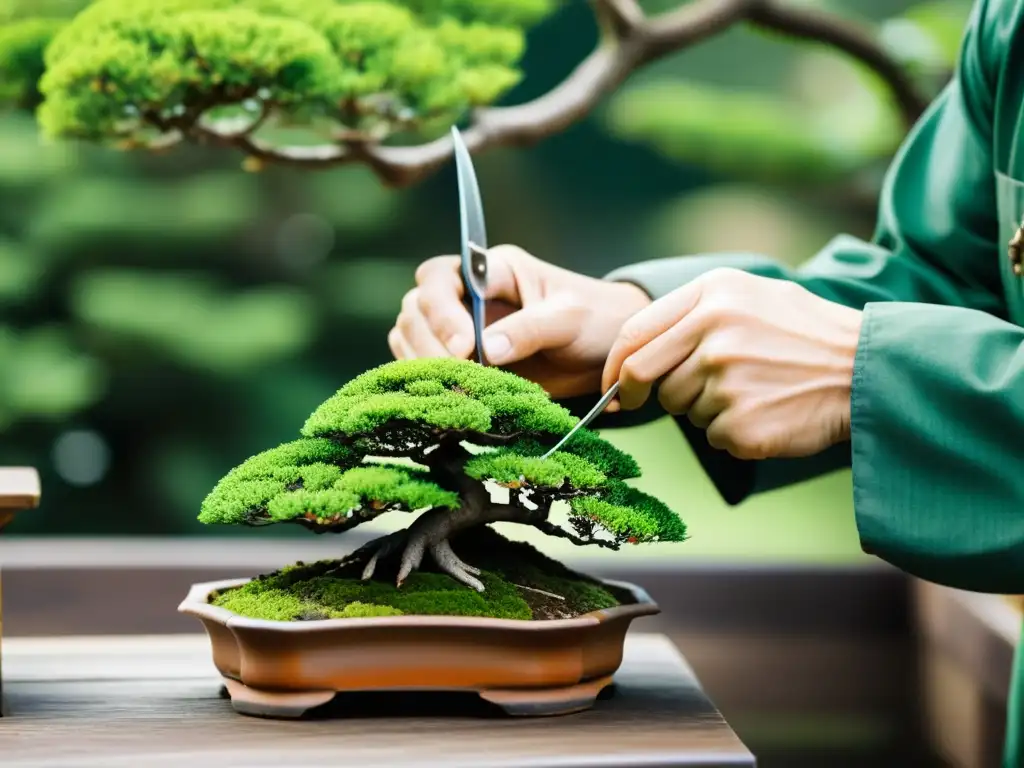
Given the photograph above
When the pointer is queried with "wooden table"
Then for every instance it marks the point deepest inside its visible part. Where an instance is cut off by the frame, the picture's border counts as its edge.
(968, 641)
(155, 701)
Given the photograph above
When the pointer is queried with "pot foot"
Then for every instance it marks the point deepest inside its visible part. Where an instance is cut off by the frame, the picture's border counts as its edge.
(277, 704)
(548, 702)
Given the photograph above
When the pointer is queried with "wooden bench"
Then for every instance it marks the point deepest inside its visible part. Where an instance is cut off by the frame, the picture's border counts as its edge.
(155, 701)
(967, 643)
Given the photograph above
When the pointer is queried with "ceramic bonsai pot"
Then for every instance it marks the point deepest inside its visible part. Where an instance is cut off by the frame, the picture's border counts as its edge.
(284, 669)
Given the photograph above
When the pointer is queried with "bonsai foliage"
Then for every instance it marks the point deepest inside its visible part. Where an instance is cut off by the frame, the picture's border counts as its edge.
(361, 78)
(437, 437)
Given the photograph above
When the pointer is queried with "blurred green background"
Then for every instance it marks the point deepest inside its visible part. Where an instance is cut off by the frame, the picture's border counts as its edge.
(163, 317)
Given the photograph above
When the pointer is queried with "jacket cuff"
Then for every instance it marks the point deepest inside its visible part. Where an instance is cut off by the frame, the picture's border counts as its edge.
(662, 276)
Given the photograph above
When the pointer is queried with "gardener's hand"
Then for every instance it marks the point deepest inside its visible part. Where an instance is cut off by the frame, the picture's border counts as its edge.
(764, 365)
(545, 323)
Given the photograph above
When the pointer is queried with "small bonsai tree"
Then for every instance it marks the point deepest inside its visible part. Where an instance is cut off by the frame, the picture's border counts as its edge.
(438, 436)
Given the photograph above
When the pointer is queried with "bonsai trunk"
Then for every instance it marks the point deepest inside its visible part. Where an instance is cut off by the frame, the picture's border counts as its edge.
(431, 531)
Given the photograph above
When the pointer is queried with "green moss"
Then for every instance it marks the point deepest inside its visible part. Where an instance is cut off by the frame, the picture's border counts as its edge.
(426, 594)
(475, 399)
(279, 605)
(630, 514)
(514, 572)
(508, 468)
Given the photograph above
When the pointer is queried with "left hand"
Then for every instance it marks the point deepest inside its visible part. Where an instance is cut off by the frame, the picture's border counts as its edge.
(764, 365)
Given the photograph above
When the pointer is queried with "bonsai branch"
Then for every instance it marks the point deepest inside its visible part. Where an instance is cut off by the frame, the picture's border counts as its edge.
(818, 26)
(551, 529)
(629, 41)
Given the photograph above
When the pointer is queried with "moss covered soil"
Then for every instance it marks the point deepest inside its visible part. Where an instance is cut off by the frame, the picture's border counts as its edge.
(521, 583)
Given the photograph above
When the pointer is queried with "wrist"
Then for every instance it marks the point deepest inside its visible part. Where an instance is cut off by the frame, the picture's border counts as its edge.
(847, 340)
(630, 298)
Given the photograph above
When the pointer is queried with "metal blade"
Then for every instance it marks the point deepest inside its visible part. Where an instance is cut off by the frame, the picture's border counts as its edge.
(594, 412)
(474, 236)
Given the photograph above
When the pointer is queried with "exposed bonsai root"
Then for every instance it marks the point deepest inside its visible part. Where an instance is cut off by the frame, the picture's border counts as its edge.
(378, 549)
(450, 563)
(414, 542)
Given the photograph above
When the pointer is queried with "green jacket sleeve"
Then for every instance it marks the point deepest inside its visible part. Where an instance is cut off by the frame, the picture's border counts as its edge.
(938, 397)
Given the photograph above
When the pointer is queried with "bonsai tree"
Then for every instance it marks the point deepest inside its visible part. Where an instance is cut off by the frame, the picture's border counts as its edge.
(441, 437)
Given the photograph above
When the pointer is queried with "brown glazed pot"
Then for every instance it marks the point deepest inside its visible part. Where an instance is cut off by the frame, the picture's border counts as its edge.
(527, 668)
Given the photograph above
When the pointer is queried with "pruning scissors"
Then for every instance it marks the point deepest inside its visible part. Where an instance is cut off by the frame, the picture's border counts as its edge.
(474, 267)
(474, 240)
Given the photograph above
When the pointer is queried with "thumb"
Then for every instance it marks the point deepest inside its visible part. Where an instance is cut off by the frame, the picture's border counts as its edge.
(547, 324)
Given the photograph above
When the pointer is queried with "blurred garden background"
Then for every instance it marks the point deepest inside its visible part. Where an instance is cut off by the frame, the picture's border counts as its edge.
(164, 316)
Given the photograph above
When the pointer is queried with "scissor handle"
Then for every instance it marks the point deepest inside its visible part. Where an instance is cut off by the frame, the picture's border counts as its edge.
(474, 275)
(479, 318)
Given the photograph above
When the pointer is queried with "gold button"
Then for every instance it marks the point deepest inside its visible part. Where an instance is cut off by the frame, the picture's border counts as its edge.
(1015, 250)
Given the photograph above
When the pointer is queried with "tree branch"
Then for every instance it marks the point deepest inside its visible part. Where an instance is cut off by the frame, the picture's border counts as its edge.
(553, 530)
(847, 36)
(629, 41)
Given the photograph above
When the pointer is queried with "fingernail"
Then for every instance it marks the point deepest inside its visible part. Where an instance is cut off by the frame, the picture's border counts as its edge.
(497, 347)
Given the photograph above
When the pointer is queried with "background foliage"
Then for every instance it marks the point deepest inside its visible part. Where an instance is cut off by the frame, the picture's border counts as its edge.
(163, 316)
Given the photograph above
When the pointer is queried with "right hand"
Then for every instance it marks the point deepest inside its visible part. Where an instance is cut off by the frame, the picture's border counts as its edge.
(546, 324)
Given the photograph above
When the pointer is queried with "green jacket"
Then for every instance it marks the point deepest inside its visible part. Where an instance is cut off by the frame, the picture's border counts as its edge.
(937, 445)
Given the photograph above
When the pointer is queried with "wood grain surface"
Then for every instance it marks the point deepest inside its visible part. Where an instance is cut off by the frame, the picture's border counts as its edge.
(155, 702)
(967, 646)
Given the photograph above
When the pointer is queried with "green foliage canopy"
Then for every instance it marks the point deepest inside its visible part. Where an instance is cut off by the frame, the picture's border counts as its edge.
(123, 71)
(338, 474)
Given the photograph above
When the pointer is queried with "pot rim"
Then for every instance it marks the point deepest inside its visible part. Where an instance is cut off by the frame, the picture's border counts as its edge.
(196, 603)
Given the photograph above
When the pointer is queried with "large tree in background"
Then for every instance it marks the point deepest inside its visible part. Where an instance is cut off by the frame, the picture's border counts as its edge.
(160, 329)
(320, 83)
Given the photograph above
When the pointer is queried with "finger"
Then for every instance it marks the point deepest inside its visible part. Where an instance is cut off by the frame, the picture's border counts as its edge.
(441, 293)
(548, 324)
(732, 431)
(639, 373)
(512, 275)
(644, 327)
(416, 331)
(439, 299)
(399, 347)
(506, 264)
(718, 433)
(680, 389)
(707, 406)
